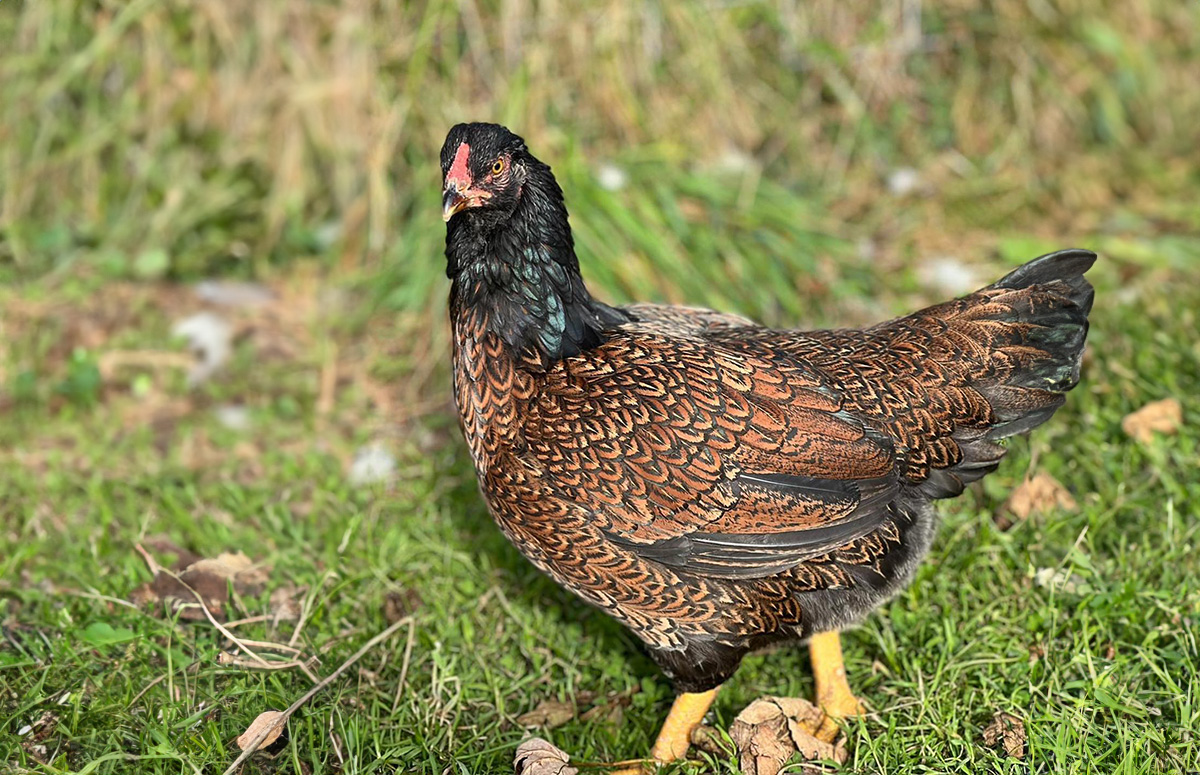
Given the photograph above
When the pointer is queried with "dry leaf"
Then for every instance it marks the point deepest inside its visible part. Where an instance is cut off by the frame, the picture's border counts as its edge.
(264, 720)
(1038, 494)
(605, 713)
(397, 605)
(548, 715)
(210, 579)
(762, 737)
(535, 756)
(1008, 730)
(611, 710)
(283, 605)
(1163, 416)
(162, 544)
(773, 729)
(248, 579)
(709, 740)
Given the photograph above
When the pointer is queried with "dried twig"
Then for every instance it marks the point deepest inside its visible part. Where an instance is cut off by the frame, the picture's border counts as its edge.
(227, 659)
(110, 361)
(155, 568)
(329, 378)
(249, 620)
(252, 746)
(412, 629)
(151, 563)
(93, 595)
(269, 646)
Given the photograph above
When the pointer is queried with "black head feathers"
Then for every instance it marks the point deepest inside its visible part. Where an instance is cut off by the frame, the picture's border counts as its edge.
(509, 248)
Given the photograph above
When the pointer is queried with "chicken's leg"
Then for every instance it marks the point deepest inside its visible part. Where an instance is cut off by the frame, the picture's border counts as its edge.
(833, 696)
(676, 735)
(833, 692)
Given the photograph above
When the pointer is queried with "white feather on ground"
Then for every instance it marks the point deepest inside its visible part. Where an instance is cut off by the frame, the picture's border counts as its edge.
(210, 337)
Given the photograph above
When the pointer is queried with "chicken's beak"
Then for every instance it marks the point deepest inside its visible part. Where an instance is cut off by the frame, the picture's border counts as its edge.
(452, 201)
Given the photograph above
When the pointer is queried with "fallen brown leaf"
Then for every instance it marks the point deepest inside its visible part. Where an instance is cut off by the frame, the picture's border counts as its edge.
(162, 544)
(535, 756)
(609, 711)
(708, 739)
(256, 728)
(1038, 494)
(1163, 416)
(773, 729)
(1008, 730)
(252, 742)
(283, 605)
(209, 579)
(397, 605)
(548, 715)
(248, 579)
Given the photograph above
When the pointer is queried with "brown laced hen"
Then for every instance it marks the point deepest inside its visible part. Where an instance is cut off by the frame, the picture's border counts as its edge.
(715, 485)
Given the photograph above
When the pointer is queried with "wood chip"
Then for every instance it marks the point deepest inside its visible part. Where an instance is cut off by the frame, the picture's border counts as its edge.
(1006, 730)
(535, 756)
(771, 730)
(1163, 416)
(256, 728)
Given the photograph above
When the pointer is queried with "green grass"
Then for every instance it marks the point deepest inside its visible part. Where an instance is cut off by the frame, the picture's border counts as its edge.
(1114, 688)
(159, 144)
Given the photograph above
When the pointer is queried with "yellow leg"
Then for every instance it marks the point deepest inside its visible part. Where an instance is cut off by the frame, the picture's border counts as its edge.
(686, 714)
(676, 735)
(833, 692)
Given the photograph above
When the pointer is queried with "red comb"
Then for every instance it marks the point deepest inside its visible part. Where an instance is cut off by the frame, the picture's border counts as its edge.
(459, 173)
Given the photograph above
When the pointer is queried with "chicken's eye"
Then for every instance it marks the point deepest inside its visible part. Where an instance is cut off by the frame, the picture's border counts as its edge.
(498, 166)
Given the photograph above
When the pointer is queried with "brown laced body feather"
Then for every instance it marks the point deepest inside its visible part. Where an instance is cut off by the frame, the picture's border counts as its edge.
(713, 484)
(702, 478)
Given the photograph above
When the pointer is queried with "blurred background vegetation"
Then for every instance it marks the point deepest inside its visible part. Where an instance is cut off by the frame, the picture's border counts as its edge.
(753, 156)
(806, 163)
(147, 138)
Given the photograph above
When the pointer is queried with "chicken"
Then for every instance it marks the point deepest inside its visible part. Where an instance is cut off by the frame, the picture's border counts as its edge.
(715, 485)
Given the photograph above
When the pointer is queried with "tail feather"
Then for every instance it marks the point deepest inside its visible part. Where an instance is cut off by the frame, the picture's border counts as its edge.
(1064, 266)
(1032, 324)
(1049, 313)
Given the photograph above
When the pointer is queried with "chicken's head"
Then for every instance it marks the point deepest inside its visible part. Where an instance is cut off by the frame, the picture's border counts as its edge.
(484, 167)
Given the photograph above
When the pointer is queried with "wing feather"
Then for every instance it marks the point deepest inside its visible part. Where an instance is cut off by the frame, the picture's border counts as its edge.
(722, 461)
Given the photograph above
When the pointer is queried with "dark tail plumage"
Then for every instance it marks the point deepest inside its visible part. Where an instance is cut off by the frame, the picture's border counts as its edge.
(1049, 301)
(1026, 334)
